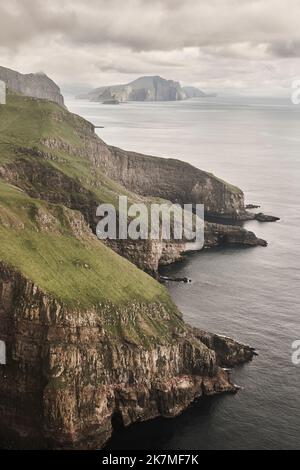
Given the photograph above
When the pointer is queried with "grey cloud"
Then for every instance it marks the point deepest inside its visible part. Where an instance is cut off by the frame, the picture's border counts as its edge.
(23, 21)
(138, 67)
(192, 40)
(156, 25)
(284, 49)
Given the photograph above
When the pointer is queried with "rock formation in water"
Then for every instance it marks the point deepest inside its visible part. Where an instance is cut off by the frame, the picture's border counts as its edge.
(37, 85)
(144, 89)
(88, 336)
(261, 217)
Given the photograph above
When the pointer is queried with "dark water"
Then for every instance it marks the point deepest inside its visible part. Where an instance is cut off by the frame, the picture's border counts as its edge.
(250, 294)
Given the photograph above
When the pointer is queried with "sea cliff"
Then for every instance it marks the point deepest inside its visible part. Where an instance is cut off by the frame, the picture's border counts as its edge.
(89, 336)
(69, 375)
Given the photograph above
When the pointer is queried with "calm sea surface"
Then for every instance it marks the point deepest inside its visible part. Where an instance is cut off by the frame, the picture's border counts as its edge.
(250, 294)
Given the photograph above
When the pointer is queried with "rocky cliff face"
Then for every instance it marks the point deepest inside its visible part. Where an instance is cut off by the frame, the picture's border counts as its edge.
(175, 181)
(67, 377)
(37, 85)
(149, 176)
(144, 89)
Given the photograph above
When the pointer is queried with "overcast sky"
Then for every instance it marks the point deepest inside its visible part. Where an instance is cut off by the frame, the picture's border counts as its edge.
(243, 45)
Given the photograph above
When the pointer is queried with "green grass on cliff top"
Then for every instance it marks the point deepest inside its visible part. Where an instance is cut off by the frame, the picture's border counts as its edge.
(79, 272)
(25, 122)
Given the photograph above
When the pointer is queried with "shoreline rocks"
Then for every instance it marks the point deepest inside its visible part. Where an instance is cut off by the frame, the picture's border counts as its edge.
(266, 218)
(228, 354)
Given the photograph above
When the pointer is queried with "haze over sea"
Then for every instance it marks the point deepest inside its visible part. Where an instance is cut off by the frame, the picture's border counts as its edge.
(250, 294)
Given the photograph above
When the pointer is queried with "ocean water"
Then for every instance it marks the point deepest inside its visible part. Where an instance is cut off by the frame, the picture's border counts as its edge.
(250, 294)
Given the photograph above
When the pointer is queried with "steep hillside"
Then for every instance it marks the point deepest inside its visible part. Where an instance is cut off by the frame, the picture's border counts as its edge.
(42, 142)
(46, 135)
(56, 156)
(54, 247)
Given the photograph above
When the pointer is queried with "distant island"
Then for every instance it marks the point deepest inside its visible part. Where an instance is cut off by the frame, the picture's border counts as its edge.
(152, 88)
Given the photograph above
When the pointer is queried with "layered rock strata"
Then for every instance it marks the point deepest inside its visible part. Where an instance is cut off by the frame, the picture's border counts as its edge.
(68, 377)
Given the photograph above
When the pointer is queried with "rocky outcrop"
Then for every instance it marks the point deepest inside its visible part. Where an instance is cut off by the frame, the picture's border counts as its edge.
(220, 234)
(149, 255)
(261, 217)
(36, 85)
(68, 375)
(143, 89)
(228, 352)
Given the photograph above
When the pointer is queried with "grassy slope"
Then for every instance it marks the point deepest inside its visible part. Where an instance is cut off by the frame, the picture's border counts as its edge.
(80, 272)
(77, 271)
(25, 122)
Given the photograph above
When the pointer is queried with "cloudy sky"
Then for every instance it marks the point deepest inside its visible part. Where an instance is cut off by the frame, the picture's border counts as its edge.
(247, 46)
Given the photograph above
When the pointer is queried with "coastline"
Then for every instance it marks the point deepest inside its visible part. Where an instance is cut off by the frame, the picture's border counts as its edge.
(135, 362)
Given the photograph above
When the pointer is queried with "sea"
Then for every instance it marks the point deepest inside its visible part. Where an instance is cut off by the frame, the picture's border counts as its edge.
(250, 294)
